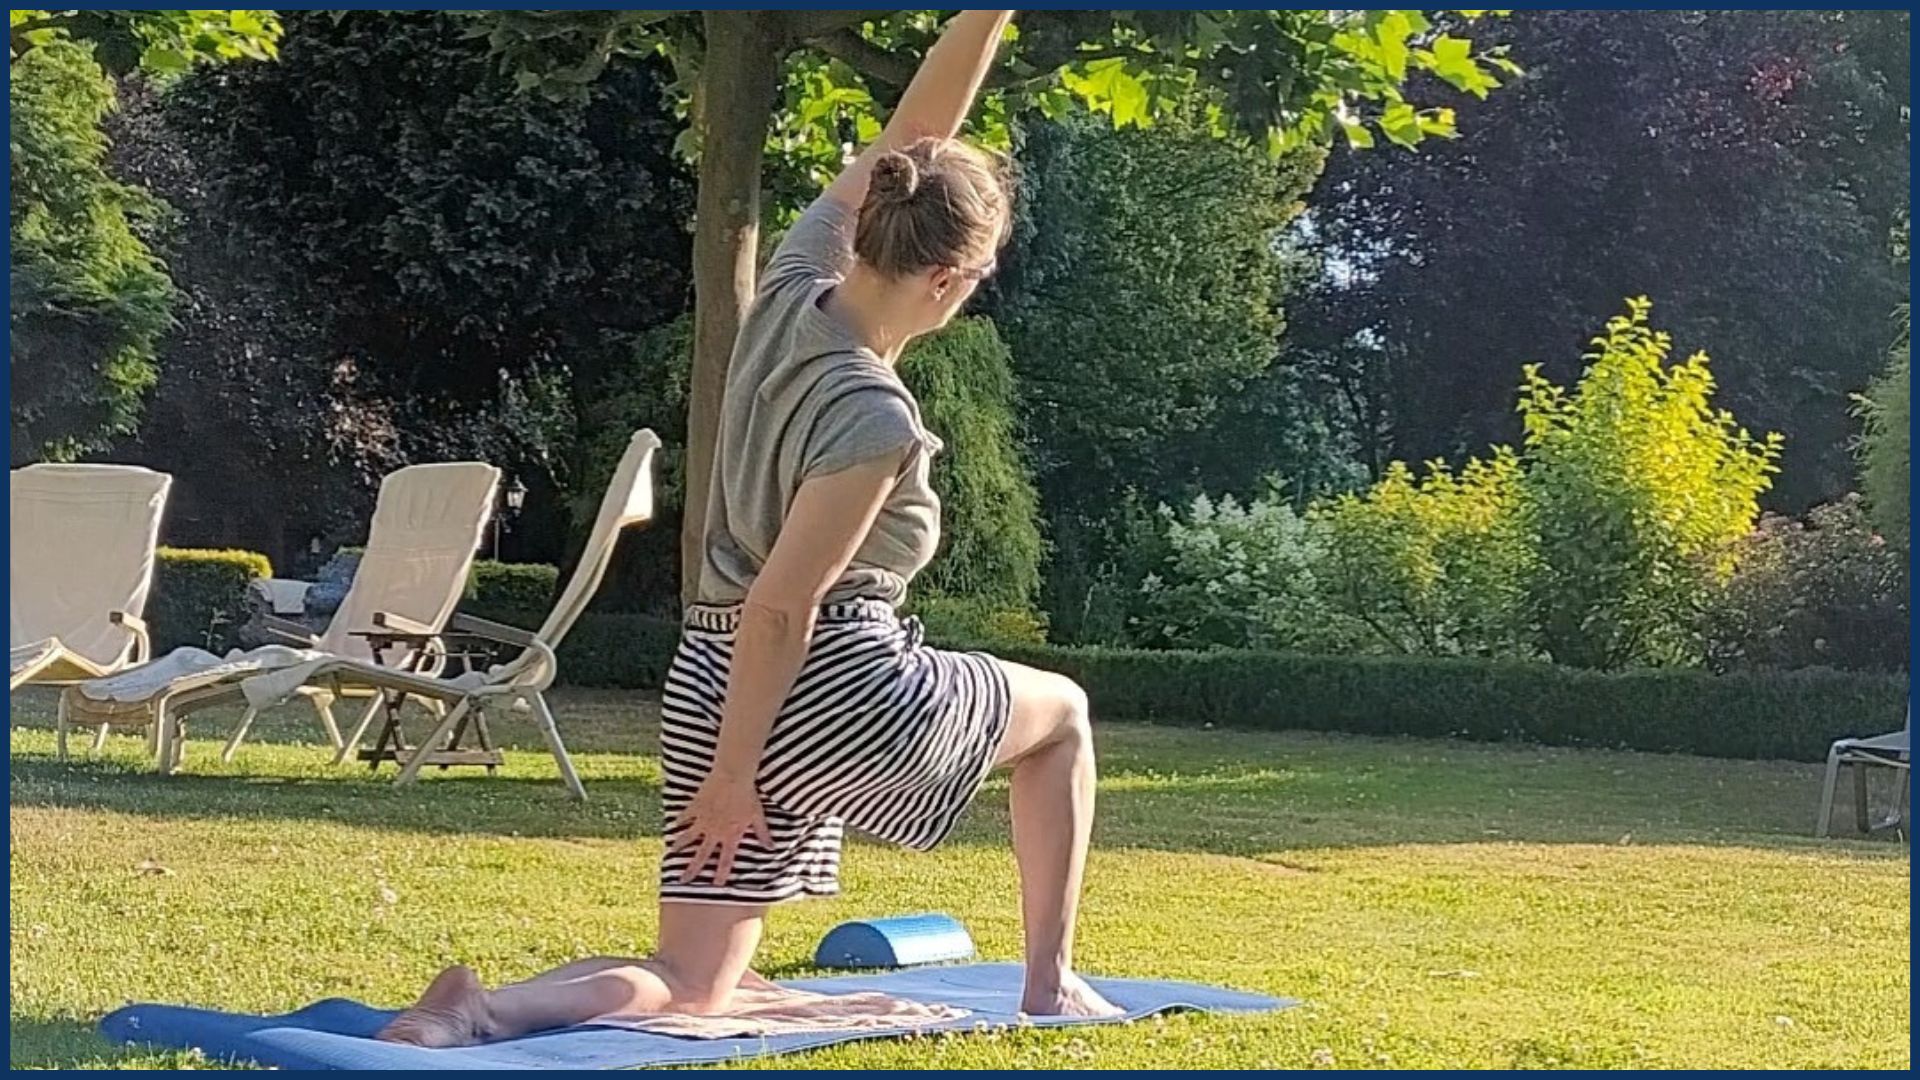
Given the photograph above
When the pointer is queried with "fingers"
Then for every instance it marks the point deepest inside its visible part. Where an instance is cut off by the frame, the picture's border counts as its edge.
(723, 871)
(701, 857)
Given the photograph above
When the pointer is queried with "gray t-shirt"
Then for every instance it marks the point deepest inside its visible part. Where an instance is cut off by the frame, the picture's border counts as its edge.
(805, 399)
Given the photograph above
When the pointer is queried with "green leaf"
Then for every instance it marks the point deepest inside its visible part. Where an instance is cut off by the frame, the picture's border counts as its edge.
(164, 61)
(1452, 59)
(1358, 136)
(1108, 87)
(1401, 124)
(1391, 34)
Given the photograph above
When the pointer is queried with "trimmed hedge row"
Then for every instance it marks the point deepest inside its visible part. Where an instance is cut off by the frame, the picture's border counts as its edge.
(624, 652)
(199, 596)
(1791, 715)
(518, 594)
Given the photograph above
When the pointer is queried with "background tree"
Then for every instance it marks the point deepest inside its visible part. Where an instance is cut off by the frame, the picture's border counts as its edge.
(246, 368)
(1283, 78)
(156, 42)
(87, 300)
(480, 256)
(1886, 475)
(1141, 298)
(1740, 167)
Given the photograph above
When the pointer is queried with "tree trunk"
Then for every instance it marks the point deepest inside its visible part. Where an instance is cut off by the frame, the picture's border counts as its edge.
(735, 106)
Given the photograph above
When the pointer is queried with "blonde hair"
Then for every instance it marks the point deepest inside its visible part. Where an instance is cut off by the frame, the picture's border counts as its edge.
(937, 202)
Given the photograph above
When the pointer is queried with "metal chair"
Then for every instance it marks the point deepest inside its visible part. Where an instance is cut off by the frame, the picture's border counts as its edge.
(1890, 751)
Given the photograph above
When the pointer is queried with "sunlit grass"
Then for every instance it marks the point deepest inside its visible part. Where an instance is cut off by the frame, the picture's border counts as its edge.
(1435, 904)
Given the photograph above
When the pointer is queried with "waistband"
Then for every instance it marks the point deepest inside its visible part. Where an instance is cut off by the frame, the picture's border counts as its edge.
(725, 618)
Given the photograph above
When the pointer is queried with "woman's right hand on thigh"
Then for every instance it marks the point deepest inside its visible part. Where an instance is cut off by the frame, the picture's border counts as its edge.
(721, 815)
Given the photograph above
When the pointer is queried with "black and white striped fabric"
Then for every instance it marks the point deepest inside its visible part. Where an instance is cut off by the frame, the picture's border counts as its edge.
(881, 733)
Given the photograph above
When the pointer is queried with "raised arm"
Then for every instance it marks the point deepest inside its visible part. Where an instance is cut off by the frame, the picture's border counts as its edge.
(938, 99)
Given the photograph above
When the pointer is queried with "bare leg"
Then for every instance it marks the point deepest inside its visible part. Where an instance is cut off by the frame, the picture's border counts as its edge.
(704, 953)
(1049, 744)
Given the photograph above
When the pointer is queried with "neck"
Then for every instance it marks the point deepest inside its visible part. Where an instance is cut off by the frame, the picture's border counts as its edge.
(865, 303)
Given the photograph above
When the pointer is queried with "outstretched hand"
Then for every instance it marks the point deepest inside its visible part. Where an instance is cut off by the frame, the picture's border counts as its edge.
(721, 815)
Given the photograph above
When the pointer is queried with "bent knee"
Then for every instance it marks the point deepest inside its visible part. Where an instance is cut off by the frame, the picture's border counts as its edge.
(1074, 715)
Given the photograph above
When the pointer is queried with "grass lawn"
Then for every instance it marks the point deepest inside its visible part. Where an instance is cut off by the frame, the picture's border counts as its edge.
(1435, 904)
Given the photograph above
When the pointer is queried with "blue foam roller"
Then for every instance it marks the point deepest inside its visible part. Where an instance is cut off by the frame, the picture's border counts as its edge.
(896, 942)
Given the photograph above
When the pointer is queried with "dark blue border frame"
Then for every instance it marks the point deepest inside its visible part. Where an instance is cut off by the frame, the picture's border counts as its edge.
(6, 391)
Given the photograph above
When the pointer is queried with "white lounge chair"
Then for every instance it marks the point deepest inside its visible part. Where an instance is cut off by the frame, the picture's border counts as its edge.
(427, 524)
(520, 683)
(83, 539)
(1893, 751)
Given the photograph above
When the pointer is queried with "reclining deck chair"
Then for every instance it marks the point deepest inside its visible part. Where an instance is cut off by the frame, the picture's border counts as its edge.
(83, 539)
(521, 682)
(1892, 751)
(427, 524)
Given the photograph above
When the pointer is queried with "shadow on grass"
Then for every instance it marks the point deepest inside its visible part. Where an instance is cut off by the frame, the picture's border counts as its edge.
(1172, 789)
(67, 1043)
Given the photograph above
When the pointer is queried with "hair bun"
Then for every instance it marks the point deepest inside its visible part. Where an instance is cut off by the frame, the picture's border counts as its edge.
(895, 177)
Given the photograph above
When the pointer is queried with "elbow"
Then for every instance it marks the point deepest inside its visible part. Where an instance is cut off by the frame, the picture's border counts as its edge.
(782, 619)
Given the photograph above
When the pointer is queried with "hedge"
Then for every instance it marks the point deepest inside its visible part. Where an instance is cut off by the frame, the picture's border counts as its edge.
(199, 596)
(618, 651)
(1790, 715)
(518, 594)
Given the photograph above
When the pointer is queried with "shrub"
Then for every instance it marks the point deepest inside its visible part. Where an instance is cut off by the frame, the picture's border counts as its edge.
(618, 651)
(1826, 592)
(1243, 577)
(518, 594)
(1887, 473)
(990, 551)
(1637, 490)
(648, 388)
(976, 623)
(1434, 566)
(199, 597)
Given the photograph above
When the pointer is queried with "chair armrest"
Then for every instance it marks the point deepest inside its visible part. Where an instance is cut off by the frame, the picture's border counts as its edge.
(134, 625)
(490, 631)
(288, 630)
(387, 620)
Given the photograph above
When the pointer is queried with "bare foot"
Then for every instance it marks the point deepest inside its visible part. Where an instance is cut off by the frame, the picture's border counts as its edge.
(453, 1012)
(1071, 997)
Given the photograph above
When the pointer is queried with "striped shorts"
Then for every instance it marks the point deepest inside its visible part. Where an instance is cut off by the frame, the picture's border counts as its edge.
(880, 733)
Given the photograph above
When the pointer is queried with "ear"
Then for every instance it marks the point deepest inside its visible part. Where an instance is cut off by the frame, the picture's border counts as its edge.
(940, 280)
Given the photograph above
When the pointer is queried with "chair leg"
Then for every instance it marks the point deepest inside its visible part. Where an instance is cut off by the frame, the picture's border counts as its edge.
(239, 733)
(100, 738)
(1825, 828)
(543, 716)
(60, 728)
(323, 705)
(1861, 817)
(410, 768)
(166, 757)
(352, 742)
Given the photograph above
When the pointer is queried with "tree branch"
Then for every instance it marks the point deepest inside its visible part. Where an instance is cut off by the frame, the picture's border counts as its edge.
(865, 57)
(813, 25)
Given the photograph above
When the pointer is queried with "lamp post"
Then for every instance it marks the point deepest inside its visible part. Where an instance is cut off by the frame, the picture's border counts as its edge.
(515, 497)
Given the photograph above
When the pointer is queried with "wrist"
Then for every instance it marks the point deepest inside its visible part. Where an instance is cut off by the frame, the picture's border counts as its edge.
(729, 771)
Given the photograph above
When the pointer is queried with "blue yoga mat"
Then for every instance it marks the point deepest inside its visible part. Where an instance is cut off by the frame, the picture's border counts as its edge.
(337, 1034)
